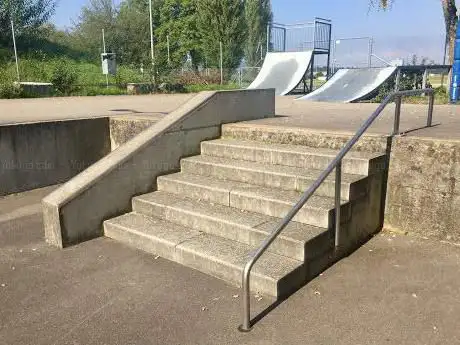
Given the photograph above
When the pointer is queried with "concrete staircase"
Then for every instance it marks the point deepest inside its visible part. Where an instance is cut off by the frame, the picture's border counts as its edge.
(224, 203)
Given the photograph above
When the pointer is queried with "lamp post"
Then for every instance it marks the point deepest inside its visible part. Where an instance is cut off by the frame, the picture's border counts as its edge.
(151, 42)
(15, 50)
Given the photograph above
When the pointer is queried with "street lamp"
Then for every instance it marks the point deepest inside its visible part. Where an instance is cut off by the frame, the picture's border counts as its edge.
(151, 42)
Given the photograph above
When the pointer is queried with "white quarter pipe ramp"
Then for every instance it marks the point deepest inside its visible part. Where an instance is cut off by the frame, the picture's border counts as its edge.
(350, 85)
(282, 72)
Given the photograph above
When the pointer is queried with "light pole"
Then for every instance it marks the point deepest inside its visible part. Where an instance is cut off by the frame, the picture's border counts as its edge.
(15, 50)
(151, 42)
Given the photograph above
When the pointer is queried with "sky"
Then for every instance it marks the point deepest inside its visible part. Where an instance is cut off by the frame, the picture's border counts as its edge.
(410, 27)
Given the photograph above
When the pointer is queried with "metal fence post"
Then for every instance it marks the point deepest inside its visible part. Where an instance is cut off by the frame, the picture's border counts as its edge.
(338, 185)
(398, 101)
(430, 110)
(221, 65)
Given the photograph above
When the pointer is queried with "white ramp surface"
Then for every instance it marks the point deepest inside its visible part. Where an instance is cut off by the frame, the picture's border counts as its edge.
(350, 85)
(282, 72)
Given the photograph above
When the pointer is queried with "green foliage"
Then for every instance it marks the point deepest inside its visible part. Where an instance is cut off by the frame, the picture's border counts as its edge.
(258, 15)
(222, 21)
(97, 15)
(64, 77)
(28, 16)
(178, 25)
(10, 90)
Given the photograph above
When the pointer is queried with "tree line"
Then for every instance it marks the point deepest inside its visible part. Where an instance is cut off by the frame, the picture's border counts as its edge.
(185, 31)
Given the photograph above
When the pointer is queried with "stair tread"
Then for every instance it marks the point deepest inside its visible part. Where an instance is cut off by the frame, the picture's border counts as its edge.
(311, 174)
(215, 248)
(295, 231)
(289, 197)
(357, 155)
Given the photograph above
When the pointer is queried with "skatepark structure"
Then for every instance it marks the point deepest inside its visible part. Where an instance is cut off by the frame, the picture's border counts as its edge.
(291, 51)
(282, 71)
(351, 85)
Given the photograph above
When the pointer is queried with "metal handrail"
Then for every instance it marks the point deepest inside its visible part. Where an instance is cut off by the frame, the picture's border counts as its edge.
(337, 165)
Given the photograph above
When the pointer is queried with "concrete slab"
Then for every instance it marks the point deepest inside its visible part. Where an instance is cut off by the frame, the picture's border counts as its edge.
(339, 117)
(67, 108)
(394, 290)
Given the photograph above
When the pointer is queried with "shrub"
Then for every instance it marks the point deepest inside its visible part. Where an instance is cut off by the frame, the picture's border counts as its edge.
(64, 77)
(10, 90)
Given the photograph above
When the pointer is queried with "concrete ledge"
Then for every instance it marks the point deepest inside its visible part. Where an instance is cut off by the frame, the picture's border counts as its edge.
(423, 188)
(35, 155)
(75, 212)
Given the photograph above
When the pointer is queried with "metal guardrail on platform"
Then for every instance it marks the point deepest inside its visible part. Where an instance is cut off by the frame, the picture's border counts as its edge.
(337, 165)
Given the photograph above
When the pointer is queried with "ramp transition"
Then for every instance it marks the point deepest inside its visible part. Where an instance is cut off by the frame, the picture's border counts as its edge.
(350, 85)
(282, 72)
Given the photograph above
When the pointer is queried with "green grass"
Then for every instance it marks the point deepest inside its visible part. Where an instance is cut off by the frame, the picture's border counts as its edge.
(89, 78)
(210, 87)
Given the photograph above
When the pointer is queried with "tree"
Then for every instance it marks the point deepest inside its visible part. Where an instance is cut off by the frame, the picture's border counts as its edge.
(97, 15)
(258, 15)
(449, 9)
(132, 31)
(28, 15)
(178, 25)
(222, 21)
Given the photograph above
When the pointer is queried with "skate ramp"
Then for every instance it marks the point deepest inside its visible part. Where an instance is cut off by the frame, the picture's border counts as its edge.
(350, 85)
(282, 72)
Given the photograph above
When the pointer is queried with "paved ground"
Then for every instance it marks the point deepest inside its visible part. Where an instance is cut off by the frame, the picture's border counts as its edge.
(394, 290)
(65, 108)
(292, 113)
(349, 117)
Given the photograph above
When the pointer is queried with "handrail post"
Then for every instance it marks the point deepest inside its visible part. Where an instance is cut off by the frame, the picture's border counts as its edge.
(429, 121)
(246, 300)
(398, 101)
(338, 185)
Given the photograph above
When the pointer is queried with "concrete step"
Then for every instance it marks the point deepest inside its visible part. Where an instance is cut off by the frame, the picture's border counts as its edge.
(360, 163)
(270, 175)
(318, 211)
(298, 241)
(273, 274)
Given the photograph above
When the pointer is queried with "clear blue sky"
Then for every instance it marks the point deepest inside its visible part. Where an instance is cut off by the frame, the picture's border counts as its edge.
(410, 27)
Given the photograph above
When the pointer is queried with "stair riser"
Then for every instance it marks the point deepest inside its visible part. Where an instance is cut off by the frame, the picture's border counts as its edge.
(236, 232)
(316, 217)
(145, 243)
(204, 264)
(274, 208)
(293, 159)
(268, 179)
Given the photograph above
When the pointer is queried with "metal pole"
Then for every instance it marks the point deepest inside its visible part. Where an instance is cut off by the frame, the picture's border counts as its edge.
(425, 80)
(371, 51)
(338, 185)
(268, 38)
(398, 79)
(152, 52)
(167, 42)
(103, 46)
(398, 101)
(328, 72)
(15, 51)
(284, 39)
(312, 76)
(221, 65)
(430, 110)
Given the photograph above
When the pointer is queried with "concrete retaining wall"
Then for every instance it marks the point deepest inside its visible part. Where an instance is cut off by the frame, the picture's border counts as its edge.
(75, 212)
(423, 195)
(42, 154)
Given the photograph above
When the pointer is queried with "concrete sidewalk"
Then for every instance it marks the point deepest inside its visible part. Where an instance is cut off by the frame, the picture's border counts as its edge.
(16, 111)
(394, 290)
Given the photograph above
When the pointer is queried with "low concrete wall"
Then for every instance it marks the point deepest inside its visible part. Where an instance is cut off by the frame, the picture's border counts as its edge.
(124, 128)
(41, 154)
(75, 212)
(423, 195)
